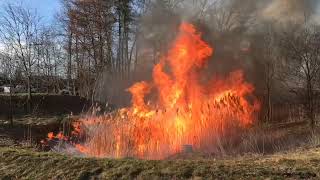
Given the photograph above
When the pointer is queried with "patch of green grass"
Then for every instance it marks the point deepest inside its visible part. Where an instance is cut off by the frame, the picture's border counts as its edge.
(27, 164)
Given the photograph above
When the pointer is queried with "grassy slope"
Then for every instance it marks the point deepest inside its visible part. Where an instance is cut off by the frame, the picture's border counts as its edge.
(22, 163)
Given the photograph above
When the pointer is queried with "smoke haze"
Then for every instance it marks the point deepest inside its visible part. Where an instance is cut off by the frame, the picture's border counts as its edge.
(229, 26)
(290, 10)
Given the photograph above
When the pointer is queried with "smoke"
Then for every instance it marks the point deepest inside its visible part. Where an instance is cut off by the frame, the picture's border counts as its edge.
(227, 25)
(290, 10)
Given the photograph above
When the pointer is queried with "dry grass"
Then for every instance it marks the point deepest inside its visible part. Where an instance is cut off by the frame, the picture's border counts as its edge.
(240, 154)
(265, 140)
(314, 139)
(26, 164)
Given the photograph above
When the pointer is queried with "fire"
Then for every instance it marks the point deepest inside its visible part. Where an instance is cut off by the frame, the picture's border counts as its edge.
(186, 110)
(50, 135)
(59, 136)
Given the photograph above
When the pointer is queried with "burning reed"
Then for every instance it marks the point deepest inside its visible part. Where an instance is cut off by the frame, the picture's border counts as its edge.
(185, 110)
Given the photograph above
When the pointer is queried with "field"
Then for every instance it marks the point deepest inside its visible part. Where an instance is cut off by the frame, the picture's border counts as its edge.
(19, 163)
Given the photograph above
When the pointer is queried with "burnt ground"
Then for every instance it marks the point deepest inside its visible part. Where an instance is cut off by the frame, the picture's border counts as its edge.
(288, 151)
(48, 113)
(42, 104)
(28, 131)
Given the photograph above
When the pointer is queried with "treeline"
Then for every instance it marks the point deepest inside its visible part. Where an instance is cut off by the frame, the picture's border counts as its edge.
(100, 37)
(88, 38)
(29, 49)
(98, 45)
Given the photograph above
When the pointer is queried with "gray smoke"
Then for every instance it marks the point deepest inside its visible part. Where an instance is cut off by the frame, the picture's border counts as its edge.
(225, 24)
(291, 10)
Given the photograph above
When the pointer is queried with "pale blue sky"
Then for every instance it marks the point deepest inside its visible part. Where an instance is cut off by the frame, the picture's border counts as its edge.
(45, 8)
(48, 8)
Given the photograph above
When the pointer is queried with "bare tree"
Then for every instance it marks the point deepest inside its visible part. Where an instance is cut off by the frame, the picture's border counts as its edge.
(19, 29)
(228, 15)
(8, 65)
(301, 52)
(269, 62)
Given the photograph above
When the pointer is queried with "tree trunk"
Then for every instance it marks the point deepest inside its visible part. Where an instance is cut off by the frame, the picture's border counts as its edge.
(29, 100)
(310, 106)
(10, 104)
(69, 71)
(269, 110)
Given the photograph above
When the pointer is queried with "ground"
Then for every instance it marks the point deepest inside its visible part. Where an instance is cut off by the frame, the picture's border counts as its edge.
(19, 163)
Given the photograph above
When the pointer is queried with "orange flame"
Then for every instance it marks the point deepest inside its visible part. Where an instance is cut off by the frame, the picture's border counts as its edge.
(50, 135)
(59, 136)
(187, 110)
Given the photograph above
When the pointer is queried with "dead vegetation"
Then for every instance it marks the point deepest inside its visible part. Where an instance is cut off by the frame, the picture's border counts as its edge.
(260, 152)
(23, 163)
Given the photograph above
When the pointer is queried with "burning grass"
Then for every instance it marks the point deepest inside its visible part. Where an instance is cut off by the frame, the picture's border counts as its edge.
(244, 159)
(180, 106)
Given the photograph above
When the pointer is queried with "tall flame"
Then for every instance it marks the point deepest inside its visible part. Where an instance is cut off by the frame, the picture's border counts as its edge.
(187, 110)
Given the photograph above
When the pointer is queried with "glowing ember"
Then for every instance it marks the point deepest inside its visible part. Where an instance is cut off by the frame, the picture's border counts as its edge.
(50, 136)
(60, 136)
(186, 110)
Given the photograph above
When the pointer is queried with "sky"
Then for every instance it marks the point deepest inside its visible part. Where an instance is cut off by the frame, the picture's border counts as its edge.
(48, 8)
(45, 8)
